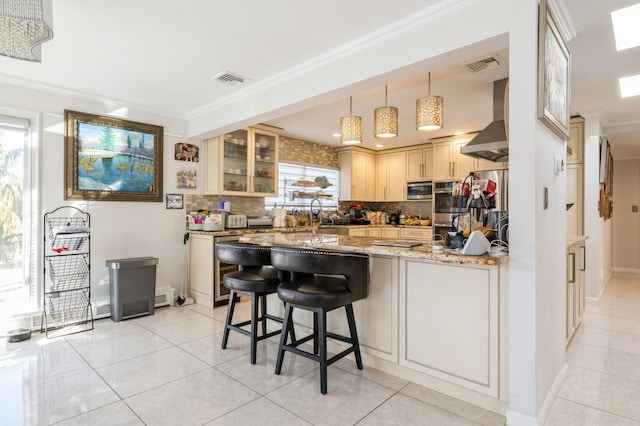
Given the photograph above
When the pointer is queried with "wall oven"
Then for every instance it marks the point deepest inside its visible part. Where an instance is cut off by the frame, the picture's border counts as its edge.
(420, 190)
(444, 207)
(220, 292)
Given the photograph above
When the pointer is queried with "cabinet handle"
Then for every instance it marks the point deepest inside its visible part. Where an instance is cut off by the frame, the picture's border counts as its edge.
(573, 267)
(584, 258)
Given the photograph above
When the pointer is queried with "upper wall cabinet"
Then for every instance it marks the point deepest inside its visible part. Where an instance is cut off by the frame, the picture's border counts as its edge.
(391, 184)
(449, 163)
(357, 174)
(420, 164)
(243, 162)
(575, 143)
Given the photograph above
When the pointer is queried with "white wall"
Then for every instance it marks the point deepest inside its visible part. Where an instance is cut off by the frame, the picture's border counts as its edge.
(119, 229)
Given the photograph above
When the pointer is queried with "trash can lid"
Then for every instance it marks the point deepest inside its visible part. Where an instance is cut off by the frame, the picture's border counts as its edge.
(132, 262)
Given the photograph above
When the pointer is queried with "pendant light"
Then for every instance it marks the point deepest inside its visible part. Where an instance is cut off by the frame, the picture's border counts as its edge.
(429, 111)
(351, 127)
(385, 120)
(24, 26)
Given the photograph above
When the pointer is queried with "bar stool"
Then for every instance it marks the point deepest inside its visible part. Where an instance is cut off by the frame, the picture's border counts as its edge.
(255, 278)
(320, 281)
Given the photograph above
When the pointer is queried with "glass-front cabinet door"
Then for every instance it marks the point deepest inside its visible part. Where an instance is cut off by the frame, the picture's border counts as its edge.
(265, 169)
(243, 162)
(235, 161)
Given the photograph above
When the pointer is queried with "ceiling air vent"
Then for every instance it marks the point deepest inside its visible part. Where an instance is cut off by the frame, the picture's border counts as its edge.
(229, 78)
(485, 64)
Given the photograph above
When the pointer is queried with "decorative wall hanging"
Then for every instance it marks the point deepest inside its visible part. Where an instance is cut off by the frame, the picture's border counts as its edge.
(186, 178)
(187, 152)
(554, 62)
(110, 159)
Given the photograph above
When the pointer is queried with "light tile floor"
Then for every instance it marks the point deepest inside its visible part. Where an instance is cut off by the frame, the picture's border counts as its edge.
(603, 384)
(168, 369)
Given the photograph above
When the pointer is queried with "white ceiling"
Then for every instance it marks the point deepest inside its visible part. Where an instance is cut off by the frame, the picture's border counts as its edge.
(160, 55)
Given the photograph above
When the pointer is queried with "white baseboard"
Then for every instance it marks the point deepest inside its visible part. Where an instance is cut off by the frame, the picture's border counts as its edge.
(515, 418)
(626, 270)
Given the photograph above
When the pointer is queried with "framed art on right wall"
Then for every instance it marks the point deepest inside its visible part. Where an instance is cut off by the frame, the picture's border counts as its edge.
(554, 62)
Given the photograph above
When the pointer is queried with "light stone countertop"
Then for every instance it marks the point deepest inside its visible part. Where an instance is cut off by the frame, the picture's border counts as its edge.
(363, 245)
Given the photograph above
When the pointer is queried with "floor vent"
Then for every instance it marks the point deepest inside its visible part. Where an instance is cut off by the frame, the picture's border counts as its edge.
(485, 64)
(229, 78)
(164, 296)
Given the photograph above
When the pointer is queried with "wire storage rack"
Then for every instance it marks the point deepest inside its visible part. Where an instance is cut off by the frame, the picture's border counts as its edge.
(67, 272)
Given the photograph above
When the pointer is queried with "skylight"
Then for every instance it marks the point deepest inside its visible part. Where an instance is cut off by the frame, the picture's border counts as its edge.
(630, 86)
(625, 27)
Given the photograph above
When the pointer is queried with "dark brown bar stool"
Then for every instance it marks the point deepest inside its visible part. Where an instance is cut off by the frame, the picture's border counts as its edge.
(256, 278)
(320, 281)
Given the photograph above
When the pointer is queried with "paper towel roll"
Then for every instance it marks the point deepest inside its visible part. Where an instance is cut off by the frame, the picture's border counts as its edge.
(279, 214)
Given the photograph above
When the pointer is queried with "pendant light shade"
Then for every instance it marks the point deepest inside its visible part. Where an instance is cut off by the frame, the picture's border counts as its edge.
(351, 127)
(429, 111)
(385, 120)
(24, 26)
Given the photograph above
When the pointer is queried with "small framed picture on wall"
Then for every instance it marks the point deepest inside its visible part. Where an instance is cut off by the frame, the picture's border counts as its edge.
(175, 201)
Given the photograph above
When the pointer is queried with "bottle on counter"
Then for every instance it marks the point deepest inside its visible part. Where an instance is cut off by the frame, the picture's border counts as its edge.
(401, 218)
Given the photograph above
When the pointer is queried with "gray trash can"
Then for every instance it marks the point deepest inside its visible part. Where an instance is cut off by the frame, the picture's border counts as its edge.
(133, 287)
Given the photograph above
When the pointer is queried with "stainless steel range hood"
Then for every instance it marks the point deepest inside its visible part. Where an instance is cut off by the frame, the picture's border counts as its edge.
(492, 143)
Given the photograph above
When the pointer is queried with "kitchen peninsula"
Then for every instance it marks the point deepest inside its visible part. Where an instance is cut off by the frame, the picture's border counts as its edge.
(437, 319)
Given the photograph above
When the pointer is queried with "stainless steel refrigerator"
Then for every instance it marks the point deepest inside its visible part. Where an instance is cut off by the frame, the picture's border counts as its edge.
(497, 216)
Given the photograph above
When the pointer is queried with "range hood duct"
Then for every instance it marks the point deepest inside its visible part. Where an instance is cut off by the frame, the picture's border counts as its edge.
(492, 143)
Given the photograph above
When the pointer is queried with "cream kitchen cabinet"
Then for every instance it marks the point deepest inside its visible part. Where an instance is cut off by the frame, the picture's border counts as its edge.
(391, 183)
(483, 165)
(201, 269)
(450, 323)
(576, 267)
(449, 163)
(357, 175)
(364, 231)
(387, 232)
(421, 233)
(243, 162)
(576, 140)
(420, 164)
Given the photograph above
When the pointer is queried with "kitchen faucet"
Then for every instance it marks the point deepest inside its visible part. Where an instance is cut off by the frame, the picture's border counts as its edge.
(311, 211)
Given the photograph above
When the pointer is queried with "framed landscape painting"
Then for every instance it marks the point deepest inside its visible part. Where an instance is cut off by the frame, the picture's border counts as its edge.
(111, 159)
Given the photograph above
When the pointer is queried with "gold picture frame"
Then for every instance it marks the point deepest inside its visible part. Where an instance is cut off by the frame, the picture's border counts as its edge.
(111, 159)
(554, 74)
